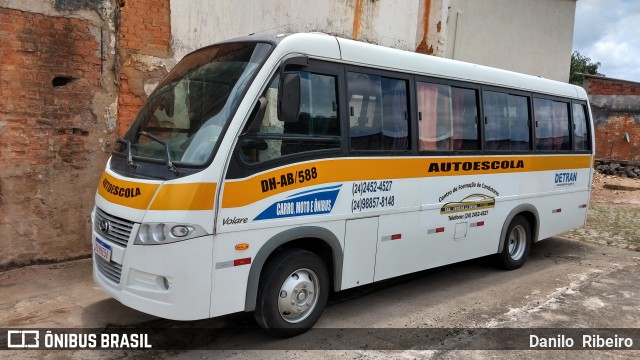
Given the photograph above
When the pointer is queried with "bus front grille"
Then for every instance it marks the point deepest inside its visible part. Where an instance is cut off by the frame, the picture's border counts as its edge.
(113, 228)
(108, 268)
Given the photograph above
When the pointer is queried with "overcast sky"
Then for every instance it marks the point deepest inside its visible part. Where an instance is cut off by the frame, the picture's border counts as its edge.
(608, 31)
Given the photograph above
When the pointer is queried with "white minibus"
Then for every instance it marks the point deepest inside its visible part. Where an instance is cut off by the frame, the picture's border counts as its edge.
(267, 171)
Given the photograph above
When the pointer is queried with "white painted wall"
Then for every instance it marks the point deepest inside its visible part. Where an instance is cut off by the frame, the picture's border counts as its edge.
(196, 23)
(529, 36)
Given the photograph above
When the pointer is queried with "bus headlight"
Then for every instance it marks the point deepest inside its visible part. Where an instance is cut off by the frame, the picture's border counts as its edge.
(164, 233)
(180, 231)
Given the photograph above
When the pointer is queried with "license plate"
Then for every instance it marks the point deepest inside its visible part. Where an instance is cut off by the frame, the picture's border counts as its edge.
(102, 249)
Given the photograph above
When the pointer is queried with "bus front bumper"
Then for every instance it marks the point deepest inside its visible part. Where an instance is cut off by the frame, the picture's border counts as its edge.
(172, 281)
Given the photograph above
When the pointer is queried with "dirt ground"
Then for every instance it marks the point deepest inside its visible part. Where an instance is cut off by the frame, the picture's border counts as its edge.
(602, 195)
(614, 213)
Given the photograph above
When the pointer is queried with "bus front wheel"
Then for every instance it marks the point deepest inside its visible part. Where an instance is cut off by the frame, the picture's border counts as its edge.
(517, 242)
(292, 293)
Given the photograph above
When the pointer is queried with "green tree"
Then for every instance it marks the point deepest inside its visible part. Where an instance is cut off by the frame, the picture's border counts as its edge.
(581, 64)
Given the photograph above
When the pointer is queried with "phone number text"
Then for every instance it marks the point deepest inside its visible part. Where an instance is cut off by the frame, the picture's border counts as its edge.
(366, 187)
(372, 203)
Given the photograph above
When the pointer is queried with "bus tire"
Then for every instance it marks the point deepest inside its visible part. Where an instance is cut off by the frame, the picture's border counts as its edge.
(517, 242)
(292, 293)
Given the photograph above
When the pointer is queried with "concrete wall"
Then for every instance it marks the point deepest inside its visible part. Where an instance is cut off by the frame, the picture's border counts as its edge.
(201, 22)
(532, 37)
(57, 110)
(615, 105)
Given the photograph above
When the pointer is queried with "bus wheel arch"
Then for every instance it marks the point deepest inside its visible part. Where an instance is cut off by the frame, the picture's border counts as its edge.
(519, 231)
(317, 240)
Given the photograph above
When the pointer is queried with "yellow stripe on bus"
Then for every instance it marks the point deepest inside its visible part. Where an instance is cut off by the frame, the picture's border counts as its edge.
(244, 192)
(126, 193)
(195, 196)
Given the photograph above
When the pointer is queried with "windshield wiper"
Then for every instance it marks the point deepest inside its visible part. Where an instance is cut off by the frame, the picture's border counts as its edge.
(167, 154)
(129, 156)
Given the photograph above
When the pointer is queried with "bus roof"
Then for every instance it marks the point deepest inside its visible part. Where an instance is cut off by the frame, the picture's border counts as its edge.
(359, 53)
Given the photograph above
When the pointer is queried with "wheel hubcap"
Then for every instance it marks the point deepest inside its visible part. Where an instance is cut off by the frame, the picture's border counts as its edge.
(298, 296)
(517, 242)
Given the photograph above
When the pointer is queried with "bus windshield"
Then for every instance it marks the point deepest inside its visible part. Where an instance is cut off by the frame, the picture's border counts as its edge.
(184, 116)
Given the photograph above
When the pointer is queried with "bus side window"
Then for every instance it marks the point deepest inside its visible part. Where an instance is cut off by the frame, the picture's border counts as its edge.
(580, 128)
(552, 125)
(378, 112)
(318, 114)
(506, 122)
(519, 123)
(447, 117)
(561, 137)
(317, 127)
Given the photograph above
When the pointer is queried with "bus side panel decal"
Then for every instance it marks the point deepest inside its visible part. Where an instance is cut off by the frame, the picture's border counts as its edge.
(313, 202)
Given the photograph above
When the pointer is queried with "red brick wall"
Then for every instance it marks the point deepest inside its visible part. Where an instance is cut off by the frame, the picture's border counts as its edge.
(611, 142)
(56, 89)
(47, 135)
(145, 28)
(616, 108)
(604, 86)
(36, 49)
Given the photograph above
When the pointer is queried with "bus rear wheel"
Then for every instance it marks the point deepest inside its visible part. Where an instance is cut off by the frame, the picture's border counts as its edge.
(292, 293)
(516, 245)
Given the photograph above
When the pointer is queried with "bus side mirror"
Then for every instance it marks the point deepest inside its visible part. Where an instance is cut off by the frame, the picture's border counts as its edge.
(289, 97)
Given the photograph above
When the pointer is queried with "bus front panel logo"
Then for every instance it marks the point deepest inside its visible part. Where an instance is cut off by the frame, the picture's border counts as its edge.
(104, 226)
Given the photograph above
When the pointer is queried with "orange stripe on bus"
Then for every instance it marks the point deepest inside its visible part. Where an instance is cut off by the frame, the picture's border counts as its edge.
(244, 192)
(195, 196)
